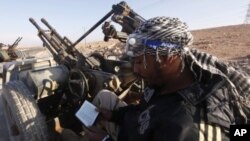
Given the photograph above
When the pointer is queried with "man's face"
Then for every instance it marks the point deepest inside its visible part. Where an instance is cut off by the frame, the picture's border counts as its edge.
(152, 73)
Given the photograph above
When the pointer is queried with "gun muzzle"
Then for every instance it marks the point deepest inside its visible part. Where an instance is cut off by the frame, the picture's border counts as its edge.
(34, 23)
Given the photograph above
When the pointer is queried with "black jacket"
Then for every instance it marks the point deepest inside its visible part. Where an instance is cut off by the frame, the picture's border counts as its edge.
(180, 116)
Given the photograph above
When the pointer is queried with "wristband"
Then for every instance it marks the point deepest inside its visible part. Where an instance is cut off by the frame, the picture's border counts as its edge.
(105, 138)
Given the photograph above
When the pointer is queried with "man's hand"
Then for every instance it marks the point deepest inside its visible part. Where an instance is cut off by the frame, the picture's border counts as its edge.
(95, 134)
(104, 113)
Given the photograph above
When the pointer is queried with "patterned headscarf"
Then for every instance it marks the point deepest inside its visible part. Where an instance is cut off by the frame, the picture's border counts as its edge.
(159, 36)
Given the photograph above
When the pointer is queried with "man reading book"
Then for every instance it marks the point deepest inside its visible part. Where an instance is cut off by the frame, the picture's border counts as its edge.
(190, 95)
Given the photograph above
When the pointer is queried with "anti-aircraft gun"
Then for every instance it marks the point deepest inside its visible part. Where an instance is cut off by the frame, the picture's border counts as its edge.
(10, 53)
(37, 90)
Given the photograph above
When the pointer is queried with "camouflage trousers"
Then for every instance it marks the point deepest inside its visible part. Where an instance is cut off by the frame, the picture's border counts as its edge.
(104, 99)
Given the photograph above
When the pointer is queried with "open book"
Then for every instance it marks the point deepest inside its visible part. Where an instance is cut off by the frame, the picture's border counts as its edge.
(87, 113)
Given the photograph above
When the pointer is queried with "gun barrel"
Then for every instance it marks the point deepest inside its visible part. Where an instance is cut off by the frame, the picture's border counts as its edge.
(68, 42)
(48, 40)
(94, 27)
(47, 24)
(17, 40)
(14, 45)
(34, 23)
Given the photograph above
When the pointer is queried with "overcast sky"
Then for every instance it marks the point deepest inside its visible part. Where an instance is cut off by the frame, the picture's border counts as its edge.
(72, 17)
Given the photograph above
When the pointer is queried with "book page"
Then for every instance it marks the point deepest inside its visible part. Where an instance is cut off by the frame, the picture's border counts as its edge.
(87, 113)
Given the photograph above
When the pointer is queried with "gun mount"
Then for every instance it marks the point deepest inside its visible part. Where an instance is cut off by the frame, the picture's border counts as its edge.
(56, 87)
(124, 16)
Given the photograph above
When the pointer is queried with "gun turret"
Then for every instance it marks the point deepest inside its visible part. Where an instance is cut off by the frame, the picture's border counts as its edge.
(62, 49)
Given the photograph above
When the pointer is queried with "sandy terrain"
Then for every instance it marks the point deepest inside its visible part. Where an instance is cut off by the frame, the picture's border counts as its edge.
(227, 42)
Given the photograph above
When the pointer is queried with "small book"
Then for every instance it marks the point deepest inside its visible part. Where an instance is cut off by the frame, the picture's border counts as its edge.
(87, 113)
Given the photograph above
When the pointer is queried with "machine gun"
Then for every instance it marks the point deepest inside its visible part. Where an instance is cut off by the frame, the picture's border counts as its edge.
(62, 49)
(57, 87)
(15, 44)
(11, 48)
(10, 53)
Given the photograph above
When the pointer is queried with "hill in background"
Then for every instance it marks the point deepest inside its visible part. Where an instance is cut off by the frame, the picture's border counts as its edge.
(228, 42)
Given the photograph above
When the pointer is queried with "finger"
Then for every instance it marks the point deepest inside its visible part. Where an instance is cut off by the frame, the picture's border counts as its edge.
(101, 109)
(99, 118)
(86, 129)
(97, 109)
(95, 129)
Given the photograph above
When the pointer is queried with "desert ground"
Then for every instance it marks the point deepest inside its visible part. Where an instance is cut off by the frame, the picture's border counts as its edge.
(227, 43)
